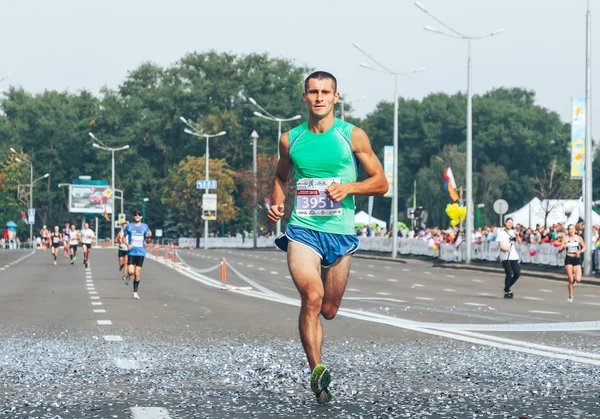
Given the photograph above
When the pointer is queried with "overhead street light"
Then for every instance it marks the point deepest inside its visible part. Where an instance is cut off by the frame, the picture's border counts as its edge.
(452, 33)
(192, 130)
(270, 117)
(385, 70)
(31, 183)
(112, 187)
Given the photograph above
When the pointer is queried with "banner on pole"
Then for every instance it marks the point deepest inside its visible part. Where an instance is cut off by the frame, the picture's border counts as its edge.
(388, 168)
(578, 138)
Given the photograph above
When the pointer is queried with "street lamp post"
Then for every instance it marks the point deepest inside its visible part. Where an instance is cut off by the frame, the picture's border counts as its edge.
(383, 69)
(31, 182)
(254, 137)
(112, 184)
(268, 116)
(458, 35)
(587, 192)
(192, 130)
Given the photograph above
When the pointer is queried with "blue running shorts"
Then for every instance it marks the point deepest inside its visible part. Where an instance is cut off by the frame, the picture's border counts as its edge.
(329, 246)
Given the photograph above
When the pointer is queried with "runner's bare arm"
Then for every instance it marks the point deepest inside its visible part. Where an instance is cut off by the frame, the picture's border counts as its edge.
(376, 182)
(280, 181)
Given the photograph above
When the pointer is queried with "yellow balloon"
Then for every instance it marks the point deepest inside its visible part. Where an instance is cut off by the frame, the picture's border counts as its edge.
(462, 213)
(454, 222)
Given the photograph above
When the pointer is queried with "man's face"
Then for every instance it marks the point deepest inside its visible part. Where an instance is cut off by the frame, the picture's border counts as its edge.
(320, 96)
(137, 218)
(86, 226)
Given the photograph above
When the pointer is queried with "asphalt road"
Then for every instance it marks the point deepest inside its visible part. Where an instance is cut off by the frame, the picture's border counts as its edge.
(411, 340)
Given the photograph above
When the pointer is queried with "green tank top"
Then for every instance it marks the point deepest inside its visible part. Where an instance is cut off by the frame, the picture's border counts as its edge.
(319, 160)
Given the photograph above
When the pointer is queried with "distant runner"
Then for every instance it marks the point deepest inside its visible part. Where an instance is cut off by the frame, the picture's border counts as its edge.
(87, 235)
(73, 243)
(45, 235)
(55, 239)
(123, 253)
(65, 233)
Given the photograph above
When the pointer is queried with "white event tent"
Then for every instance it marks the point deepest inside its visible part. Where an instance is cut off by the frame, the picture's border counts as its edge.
(559, 210)
(363, 218)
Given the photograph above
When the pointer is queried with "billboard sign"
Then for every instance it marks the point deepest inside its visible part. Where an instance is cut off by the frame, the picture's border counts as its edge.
(90, 199)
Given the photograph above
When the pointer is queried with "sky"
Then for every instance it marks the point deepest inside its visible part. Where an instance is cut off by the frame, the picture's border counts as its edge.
(75, 44)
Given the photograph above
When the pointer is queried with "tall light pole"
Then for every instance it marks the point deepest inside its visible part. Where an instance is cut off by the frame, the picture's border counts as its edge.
(31, 182)
(458, 35)
(112, 184)
(192, 130)
(254, 137)
(383, 69)
(587, 195)
(267, 115)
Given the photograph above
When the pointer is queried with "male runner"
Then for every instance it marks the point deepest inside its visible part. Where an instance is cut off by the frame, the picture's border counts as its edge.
(87, 235)
(73, 242)
(320, 237)
(122, 253)
(66, 232)
(45, 235)
(55, 239)
(134, 236)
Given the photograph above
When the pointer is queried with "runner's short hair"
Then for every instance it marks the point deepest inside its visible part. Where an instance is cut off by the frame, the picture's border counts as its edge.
(320, 75)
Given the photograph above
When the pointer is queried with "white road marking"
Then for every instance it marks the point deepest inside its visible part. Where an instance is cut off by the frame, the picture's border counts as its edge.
(94, 297)
(451, 276)
(449, 290)
(92, 292)
(352, 272)
(288, 277)
(475, 304)
(543, 312)
(485, 294)
(104, 322)
(424, 298)
(370, 266)
(249, 266)
(533, 298)
(418, 286)
(545, 290)
(113, 338)
(590, 295)
(261, 269)
(392, 280)
(395, 300)
(371, 275)
(127, 364)
(352, 289)
(100, 310)
(275, 273)
(383, 293)
(591, 304)
(149, 413)
(477, 280)
(427, 273)
(405, 270)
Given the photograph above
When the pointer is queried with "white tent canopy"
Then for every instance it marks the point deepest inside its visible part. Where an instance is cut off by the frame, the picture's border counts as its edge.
(533, 212)
(363, 218)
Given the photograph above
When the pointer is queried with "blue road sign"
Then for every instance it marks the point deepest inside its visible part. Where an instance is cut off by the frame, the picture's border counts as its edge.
(201, 184)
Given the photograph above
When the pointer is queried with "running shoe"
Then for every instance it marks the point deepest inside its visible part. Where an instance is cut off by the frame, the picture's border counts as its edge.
(126, 279)
(54, 263)
(508, 295)
(319, 381)
(136, 296)
(324, 396)
(86, 265)
(570, 300)
(72, 260)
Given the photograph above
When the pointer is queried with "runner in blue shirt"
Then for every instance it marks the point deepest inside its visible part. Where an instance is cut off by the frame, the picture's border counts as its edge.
(134, 236)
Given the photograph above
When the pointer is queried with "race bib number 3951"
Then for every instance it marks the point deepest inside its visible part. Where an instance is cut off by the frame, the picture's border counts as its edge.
(311, 200)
